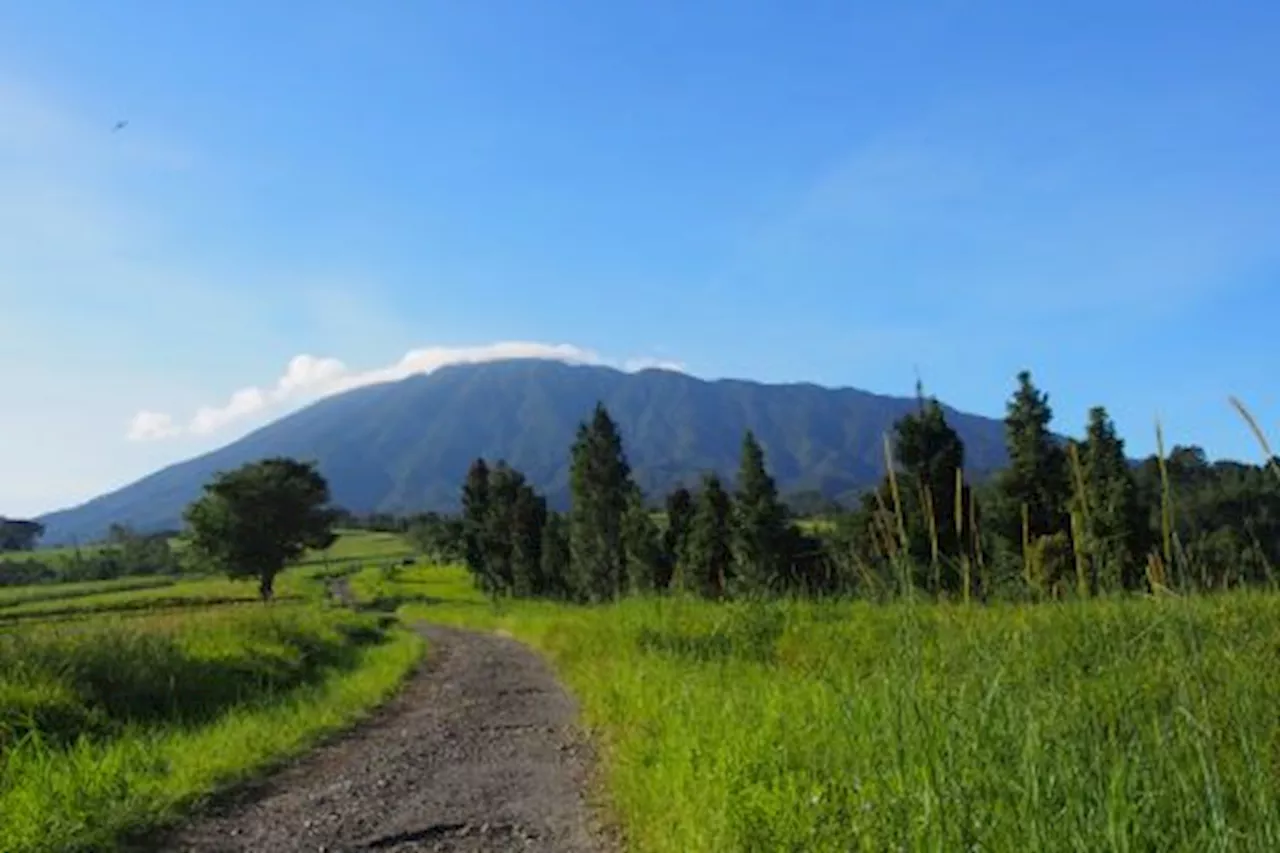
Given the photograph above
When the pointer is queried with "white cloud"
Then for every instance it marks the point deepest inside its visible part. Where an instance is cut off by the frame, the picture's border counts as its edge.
(148, 426)
(308, 378)
(647, 363)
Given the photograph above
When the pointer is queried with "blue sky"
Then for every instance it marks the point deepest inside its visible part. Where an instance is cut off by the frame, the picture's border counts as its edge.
(835, 192)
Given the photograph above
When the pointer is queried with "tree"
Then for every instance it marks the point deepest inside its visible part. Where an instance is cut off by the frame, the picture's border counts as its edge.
(528, 517)
(255, 520)
(1035, 487)
(1112, 519)
(19, 535)
(498, 535)
(600, 483)
(642, 544)
(759, 524)
(555, 556)
(475, 515)
(680, 510)
(931, 456)
(708, 553)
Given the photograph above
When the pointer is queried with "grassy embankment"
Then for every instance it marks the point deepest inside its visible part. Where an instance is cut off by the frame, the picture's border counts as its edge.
(113, 723)
(1138, 724)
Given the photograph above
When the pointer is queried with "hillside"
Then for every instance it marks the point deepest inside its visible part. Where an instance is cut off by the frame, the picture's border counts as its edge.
(405, 446)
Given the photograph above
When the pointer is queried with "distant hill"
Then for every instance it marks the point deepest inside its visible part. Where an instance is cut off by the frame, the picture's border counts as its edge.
(405, 446)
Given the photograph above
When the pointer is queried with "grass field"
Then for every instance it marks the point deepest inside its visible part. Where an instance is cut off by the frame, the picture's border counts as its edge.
(20, 595)
(1125, 725)
(123, 703)
(1104, 725)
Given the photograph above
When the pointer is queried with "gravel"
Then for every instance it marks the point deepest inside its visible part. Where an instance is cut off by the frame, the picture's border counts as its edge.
(479, 752)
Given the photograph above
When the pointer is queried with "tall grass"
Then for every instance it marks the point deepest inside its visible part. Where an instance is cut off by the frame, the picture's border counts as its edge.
(1113, 724)
(116, 724)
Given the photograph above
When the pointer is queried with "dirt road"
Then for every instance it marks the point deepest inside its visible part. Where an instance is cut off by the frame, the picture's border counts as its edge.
(478, 753)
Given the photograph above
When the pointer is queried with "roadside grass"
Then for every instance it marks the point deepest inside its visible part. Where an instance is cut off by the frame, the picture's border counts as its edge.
(387, 588)
(1113, 724)
(112, 725)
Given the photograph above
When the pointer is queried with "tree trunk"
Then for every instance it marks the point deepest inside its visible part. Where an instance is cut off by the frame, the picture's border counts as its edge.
(266, 587)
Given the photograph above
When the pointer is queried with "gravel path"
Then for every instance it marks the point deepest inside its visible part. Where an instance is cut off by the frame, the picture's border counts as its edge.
(478, 753)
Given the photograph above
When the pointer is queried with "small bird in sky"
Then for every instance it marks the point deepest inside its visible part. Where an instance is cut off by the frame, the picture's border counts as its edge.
(120, 125)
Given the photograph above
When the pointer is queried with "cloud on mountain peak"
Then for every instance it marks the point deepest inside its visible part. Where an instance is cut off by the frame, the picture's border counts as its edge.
(307, 378)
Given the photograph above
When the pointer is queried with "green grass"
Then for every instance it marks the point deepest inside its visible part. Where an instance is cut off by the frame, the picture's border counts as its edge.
(361, 545)
(388, 588)
(1121, 725)
(113, 725)
(187, 593)
(49, 555)
(12, 596)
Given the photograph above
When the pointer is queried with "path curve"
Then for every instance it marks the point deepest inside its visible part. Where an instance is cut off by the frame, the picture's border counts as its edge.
(478, 752)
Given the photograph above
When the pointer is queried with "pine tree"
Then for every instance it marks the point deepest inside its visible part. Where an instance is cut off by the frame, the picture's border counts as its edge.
(1112, 517)
(708, 564)
(680, 510)
(931, 455)
(642, 544)
(1035, 487)
(759, 525)
(528, 517)
(505, 485)
(555, 556)
(600, 482)
(475, 513)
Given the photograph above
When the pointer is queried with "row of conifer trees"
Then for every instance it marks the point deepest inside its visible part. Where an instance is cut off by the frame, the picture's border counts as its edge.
(1068, 517)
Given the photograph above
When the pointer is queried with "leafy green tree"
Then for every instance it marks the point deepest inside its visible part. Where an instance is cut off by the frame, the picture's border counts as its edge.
(600, 484)
(760, 524)
(680, 510)
(708, 563)
(1112, 519)
(438, 537)
(255, 520)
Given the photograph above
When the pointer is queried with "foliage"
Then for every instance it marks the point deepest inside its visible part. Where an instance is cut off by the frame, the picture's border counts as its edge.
(1113, 724)
(760, 528)
(1113, 535)
(18, 534)
(601, 486)
(675, 537)
(708, 565)
(1035, 487)
(121, 725)
(255, 520)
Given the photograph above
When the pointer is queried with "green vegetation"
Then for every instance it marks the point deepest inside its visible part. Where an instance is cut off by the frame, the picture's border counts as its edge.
(259, 518)
(144, 695)
(792, 725)
(1034, 664)
(121, 726)
(1029, 662)
(124, 552)
(12, 596)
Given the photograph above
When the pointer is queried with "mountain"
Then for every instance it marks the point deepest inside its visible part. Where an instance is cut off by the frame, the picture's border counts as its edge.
(405, 446)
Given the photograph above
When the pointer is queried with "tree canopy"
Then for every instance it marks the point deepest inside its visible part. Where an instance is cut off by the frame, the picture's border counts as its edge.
(255, 520)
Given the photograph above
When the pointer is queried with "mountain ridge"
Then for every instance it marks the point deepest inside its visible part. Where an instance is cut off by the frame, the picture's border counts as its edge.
(404, 446)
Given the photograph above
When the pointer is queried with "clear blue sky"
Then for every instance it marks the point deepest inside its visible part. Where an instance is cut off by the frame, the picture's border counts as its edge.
(825, 191)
